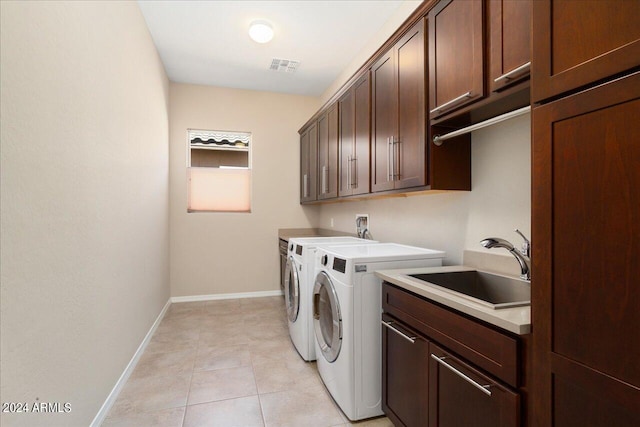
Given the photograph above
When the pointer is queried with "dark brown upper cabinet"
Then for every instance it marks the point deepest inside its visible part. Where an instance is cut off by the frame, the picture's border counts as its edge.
(579, 42)
(328, 154)
(355, 138)
(509, 42)
(456, 55)
(309, 164)
(398, 157)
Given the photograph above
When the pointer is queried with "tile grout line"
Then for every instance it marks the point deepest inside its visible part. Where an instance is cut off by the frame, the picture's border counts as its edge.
(186, 403)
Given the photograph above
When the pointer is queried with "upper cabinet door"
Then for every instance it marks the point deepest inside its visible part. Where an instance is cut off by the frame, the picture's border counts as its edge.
(456, 58)
(509, 42)
(355, 137)
(328, 154)
(362, 143)
(409, 159)
(346, 106)
(309, 164)
(399, 115)
(579, 42)
(384, 118)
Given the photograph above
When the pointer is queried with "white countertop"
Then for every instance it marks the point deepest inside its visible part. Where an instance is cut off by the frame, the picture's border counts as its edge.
(513, 319)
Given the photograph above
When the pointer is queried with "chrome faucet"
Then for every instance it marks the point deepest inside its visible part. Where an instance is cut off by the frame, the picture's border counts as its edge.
(523, 256)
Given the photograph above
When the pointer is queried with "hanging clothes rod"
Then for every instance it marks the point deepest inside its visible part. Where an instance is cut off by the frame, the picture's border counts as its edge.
(439, 139)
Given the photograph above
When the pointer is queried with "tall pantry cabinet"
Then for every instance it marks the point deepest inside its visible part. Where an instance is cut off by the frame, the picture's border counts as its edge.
(586, 213)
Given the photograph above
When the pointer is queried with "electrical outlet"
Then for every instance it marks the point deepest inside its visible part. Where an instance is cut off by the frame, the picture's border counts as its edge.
(362, 224)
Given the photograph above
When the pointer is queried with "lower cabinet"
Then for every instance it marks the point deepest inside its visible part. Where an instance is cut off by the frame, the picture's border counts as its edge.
(405, 374)
(460, 395)
(426, 383)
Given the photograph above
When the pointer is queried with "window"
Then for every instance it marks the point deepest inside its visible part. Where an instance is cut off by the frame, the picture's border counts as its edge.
(219, 171)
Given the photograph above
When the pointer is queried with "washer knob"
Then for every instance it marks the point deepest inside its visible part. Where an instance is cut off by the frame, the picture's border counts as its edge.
(324, 260)
(291, 247)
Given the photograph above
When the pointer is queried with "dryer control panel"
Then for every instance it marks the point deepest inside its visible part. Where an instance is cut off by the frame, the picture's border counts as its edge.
(339, 265)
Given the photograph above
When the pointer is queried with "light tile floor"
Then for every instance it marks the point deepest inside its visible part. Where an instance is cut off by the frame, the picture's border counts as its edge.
(226, 363)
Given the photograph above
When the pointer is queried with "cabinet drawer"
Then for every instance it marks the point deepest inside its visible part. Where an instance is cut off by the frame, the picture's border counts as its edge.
(483, 346)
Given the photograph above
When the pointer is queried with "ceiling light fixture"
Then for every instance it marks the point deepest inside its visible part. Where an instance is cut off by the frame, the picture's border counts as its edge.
(261, 31)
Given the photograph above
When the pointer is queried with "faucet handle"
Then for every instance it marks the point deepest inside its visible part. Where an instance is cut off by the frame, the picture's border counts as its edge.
(526, 245)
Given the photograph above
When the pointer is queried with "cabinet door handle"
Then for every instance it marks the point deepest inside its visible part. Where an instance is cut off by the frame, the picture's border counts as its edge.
(519, 70)
(305, 186)
(451, 103)
(324, 180)
(412, 340)
(393, 158)
(396, 159)
(482, 388)
(348, 172)
(354, 173)
(389, 155)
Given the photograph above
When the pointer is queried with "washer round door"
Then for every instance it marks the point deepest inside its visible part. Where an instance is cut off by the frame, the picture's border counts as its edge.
(327, 320)
(292, 290)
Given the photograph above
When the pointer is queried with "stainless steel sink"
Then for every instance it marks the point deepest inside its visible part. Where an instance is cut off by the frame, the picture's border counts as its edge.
(492, 290)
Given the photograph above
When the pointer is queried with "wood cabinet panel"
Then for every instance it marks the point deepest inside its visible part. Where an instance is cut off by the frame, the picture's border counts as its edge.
(354, 139)
(579, 42)
(587, 398)
(596, 195)
(586, 225)
(362, 129)
(456, 55)
(410, 159)
(346, 143)
(328, 154)
(509, 42)
(384, 121)
(399, 114)
(405, 375)
(457, 399)
(309, 164)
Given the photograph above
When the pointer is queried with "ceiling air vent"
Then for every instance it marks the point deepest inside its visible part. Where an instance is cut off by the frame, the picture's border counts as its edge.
(284, 65)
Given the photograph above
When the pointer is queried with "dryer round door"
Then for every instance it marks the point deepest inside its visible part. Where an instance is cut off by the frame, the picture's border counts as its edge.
(292, 290)
(327, 320)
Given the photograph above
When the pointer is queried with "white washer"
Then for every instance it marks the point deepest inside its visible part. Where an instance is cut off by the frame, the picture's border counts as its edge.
(346, 316)
(298, 287)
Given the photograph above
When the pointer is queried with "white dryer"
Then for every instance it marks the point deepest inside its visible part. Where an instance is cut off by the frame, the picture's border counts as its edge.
(346, 316)
(298, 287)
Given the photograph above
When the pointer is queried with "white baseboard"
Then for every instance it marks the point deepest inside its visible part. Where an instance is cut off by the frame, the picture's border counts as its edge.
(193, 298)
(106, 406)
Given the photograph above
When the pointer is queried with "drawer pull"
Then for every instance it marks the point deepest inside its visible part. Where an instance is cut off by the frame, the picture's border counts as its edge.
(482, 388)
(520, 70)
(412, 340)
(451, 103)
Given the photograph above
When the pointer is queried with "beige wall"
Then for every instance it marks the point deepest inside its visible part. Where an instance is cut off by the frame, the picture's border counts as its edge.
(221, 253)
(84, 201)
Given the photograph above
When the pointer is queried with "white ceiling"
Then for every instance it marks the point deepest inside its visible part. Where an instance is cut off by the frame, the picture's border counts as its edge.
(207, 42)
